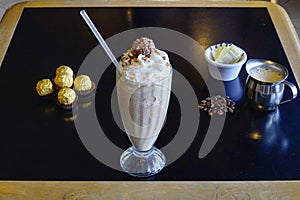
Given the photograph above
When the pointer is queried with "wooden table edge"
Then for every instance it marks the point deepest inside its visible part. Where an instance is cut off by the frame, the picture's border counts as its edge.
(288, 37)
(158, 189)
(149, 190)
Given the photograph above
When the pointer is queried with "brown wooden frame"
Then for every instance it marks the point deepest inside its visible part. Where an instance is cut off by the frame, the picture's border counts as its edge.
(199, 190)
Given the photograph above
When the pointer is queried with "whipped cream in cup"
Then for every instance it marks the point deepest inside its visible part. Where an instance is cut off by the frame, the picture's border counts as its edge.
(144, 79)
(143, 87)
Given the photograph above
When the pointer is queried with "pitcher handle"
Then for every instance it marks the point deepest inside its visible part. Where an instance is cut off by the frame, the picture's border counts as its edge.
(294, 91)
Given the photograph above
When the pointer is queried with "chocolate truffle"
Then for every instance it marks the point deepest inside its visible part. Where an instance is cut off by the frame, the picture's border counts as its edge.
(142, 46)
(63, 69)
(66, 97)
(83, 84)
(44, 87)
(63, 80)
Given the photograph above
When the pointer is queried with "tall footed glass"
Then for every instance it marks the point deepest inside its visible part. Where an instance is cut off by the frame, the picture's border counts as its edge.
(143, 107)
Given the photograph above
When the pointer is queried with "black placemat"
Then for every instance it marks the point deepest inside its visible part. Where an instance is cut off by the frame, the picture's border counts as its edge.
(39, 141)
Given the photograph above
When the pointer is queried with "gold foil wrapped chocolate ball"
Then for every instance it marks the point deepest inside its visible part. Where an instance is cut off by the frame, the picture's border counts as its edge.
(83, 84)
(62, 84)
(63, 69)
(44, 87)
(63, 81)
(66, 97)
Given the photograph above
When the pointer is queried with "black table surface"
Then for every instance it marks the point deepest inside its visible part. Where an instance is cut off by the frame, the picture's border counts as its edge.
(39, 140)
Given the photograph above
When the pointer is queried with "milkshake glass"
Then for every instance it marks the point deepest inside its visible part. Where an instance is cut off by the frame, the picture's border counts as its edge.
(143, 96)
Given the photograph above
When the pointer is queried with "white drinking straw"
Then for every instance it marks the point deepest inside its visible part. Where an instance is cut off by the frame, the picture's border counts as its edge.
(99, 37)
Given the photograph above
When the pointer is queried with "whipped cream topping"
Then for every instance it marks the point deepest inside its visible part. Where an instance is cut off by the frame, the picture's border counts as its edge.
(144, 63)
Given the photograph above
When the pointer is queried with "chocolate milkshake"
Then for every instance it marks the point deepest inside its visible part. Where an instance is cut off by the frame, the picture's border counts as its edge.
(144, 79)
(143, 86)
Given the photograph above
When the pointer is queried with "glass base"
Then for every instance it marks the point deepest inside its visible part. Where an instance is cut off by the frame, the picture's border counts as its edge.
(142, 163)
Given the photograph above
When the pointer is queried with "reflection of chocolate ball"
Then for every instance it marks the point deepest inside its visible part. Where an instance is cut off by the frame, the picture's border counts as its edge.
(44, 87)
(66, 96)
(63, 80)
(82, 83)
(63, 69)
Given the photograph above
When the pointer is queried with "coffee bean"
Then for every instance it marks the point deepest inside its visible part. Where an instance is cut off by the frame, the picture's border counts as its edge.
(217, 104)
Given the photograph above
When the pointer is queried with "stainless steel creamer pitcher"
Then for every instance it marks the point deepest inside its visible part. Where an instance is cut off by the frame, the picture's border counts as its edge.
(265, 84)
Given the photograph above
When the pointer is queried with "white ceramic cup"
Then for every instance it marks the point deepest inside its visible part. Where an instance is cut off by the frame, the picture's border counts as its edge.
(221, 71)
